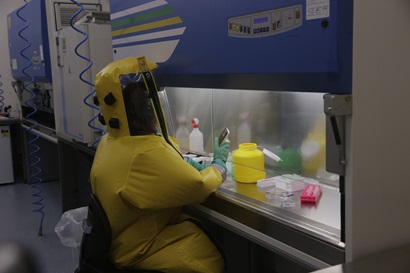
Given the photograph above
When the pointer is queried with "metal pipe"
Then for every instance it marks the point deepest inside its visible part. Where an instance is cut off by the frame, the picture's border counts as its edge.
(41, 134)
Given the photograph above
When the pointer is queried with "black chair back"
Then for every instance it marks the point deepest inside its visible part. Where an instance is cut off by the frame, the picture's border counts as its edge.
(96, 242)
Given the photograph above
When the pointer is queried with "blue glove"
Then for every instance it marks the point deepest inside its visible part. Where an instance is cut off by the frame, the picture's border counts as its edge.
(221, 152)
(197, 165)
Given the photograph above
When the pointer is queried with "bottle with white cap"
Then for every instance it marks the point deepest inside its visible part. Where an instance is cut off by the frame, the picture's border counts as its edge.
(182, 133)
(196, 138)
(244, 130)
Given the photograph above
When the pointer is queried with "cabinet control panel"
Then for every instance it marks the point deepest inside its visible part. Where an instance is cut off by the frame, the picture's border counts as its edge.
(265, 23)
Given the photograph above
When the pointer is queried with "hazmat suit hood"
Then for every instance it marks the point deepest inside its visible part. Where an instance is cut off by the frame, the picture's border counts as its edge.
(125, 103)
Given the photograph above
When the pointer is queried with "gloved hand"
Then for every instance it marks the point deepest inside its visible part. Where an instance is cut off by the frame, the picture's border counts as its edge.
(221, 152)
(197, 165)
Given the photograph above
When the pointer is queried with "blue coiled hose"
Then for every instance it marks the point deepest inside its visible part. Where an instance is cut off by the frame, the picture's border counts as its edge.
(34, 160)
(90, 63)
(1, 97)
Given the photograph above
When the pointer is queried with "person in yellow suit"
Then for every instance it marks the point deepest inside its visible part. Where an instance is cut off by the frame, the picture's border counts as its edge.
(142, 181)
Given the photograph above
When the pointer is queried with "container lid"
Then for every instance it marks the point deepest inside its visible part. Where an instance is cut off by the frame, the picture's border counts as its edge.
(195, 123)
(271, 155)
(247, 146)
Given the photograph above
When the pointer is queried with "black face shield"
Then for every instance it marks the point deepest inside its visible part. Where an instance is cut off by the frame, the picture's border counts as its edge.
(140, 114)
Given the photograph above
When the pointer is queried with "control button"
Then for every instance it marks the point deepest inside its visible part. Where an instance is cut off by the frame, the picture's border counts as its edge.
(274, 26)
(298, 16)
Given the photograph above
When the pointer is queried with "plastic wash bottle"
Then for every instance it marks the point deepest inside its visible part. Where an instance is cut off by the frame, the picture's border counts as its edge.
(244, 130)
(196, 138)
(182, 134)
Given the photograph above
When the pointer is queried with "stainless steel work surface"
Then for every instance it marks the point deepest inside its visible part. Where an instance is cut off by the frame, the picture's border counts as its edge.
(321, 219)
(307, 233)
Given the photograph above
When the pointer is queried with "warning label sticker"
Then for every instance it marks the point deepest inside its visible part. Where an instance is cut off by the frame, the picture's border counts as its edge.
(316, 9)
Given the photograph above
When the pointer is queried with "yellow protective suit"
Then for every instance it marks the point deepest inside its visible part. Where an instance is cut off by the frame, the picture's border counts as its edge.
(142, 182)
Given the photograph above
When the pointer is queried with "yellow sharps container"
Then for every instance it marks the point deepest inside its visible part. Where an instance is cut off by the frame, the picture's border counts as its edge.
(248, 163)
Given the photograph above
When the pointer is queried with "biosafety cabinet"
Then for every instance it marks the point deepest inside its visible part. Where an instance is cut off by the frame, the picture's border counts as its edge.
(77, 86)
(278, 74)
(53, 76)
(50, 62)
(301, 45)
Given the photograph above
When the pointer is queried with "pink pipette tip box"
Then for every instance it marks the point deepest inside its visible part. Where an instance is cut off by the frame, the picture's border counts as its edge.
(311, 193)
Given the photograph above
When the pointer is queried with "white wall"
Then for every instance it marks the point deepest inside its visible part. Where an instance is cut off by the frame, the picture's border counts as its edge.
(10, 97)
(378, 190)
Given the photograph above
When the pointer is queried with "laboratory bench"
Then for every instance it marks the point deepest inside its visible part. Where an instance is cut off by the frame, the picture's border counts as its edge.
(75, 165)
(44, 144)
(254, 227)
(16, 145)
(39, 141)
(307, 235)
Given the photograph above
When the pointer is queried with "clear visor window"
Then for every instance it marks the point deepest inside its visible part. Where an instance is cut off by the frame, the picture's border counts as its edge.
(167, 112)
(140, 113)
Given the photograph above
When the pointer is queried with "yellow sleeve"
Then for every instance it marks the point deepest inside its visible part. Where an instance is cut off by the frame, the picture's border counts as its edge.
(160, 178)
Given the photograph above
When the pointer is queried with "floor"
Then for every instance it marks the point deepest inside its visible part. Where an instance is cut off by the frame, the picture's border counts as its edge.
(20, 224)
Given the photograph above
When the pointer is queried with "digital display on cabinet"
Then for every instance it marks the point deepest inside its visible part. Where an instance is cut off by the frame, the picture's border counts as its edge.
(260, 20)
